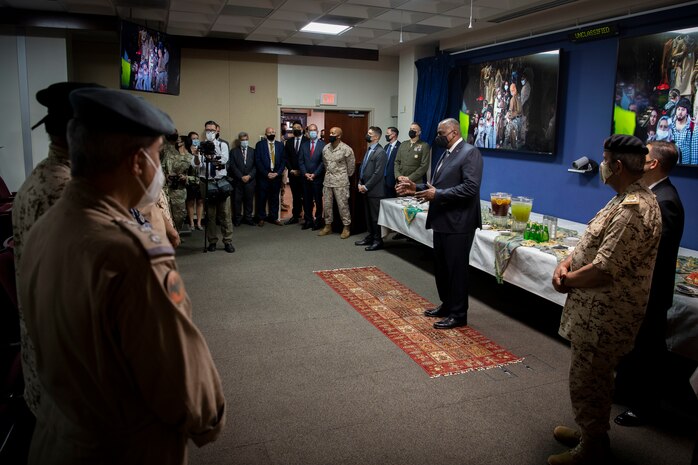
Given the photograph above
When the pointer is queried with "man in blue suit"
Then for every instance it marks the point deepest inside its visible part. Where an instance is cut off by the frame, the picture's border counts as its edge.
(312, 173)
(372, 186)
(391, 135)
(454, 215)
(269, 157)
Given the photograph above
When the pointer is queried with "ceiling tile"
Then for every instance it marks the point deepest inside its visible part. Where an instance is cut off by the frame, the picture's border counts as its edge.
(363, 32)
(430, 6)
(274, 25)
(196, 30)
(296, 16)
(242, 21)
(444, 21)
(266, 37)
(232, 28)
(247, 11)
(381, 25)
(305, 6)
(403, 17)
(422, 29)
(211, 7)
(358, 11)
(379, 3)
(180, 16)
(255, 3)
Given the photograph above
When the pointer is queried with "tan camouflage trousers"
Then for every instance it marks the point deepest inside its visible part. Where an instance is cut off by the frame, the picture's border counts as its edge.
(591, 389)
(178, 199)
(341, 194)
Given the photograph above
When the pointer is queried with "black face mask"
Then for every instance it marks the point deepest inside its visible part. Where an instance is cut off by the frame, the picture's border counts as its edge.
(333, 139)
(412, 134)
(441, 141)
(387, 138)
(368, 138)
(270, 137)
(297, 132)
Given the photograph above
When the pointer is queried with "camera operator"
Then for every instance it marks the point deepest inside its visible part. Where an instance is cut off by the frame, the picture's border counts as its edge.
(211, 161)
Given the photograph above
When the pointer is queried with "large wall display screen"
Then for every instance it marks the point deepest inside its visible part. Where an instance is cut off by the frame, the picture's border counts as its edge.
(511, 104)
(656, 83)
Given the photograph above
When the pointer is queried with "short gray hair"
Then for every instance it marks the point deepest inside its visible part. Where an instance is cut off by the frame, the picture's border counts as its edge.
(242, 134)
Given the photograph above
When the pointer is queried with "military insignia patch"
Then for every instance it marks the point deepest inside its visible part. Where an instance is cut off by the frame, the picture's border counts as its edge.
(175, 287)
(631, 199)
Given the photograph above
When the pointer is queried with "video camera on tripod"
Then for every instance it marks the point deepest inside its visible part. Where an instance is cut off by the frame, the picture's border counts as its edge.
(216, 189)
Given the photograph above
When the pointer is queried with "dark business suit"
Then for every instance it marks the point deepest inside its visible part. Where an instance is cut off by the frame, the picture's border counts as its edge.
(454, 215)
(268, 189)
(638, 381)
(390, 169)
(296, 182)
(372, 175)
(242, 164)
(312, 190)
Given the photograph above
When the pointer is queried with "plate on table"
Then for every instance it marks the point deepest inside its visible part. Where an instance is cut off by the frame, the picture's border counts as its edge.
(687, 289)
(686, 264)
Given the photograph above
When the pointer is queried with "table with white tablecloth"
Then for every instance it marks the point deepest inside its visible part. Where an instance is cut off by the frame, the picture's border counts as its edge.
(532, 269)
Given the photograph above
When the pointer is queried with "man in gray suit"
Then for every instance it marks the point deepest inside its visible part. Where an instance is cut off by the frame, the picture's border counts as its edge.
(242, 168)
(454, 215)
(371, 185)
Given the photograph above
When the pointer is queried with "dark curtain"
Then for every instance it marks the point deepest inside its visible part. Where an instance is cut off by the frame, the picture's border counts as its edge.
(432, 93)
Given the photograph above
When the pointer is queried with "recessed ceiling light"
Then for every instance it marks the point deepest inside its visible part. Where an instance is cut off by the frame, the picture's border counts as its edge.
(325, 28)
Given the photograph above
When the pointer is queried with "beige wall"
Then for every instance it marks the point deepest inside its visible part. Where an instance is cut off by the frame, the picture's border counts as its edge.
(215, 85)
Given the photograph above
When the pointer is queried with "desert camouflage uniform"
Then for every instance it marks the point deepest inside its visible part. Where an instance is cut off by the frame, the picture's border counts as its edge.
(601, 323)
(176, 164)
(39, 192)
(339, 166)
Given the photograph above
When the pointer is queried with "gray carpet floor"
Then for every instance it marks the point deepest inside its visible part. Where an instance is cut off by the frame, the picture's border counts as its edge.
(309, 381)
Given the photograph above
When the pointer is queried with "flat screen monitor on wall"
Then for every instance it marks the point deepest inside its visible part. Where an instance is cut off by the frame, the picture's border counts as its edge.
(510, 104)
(149, 60)
(656, 83)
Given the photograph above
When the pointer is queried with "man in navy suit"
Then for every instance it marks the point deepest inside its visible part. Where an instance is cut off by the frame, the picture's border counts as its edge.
(292, 152)
(391, 135)
(639, 387)
(270, 161)
(454, 215)
(312, 173)
(241, 167)
(372, 186)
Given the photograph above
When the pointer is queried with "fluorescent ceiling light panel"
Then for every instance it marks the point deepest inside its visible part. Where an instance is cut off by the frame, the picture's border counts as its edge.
(325, 28)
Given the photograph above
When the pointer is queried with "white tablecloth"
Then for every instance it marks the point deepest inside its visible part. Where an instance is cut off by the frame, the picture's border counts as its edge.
(532, 269)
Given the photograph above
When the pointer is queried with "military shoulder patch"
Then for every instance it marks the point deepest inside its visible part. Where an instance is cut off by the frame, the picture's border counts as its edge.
(631, 199)
(154, 245)
(175, 287)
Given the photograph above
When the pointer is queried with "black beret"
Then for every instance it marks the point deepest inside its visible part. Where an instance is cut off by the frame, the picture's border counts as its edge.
(620, 143)
(684, 102)
(112, 110)
(55, 98)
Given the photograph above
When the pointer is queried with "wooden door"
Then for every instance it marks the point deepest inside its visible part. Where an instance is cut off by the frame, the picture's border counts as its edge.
(354, 127)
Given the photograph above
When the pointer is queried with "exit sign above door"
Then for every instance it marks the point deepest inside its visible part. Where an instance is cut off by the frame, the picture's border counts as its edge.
(328, 99)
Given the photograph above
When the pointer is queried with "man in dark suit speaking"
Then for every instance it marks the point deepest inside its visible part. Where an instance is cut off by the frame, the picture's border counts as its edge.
(454, 215)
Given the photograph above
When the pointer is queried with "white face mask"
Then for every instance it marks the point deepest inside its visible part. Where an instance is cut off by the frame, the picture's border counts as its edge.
(662, 135)
(152, 193)
(244, 144)
(605, 171)
(210, 135)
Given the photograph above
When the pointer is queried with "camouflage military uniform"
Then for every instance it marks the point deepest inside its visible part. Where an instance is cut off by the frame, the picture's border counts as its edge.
(601, 323)
(412, 160)
(175, 164)
(39, 192)
(339, 166)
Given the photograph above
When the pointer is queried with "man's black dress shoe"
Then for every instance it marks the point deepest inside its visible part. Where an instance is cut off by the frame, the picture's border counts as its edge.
(365, 241)
(318, 225)
(436, 312)
(374, 246)
(450, 322)
(211, 247)
(293, 220)
(307, 225)
(629, 418)
(261, 223)
(229, 248)
(250, 222)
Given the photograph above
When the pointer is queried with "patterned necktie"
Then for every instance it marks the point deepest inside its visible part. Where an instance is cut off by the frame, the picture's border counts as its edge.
(244, 156)
(441, 162)
(271, 154)
(312, 148)
(298, 143)
(363, 165)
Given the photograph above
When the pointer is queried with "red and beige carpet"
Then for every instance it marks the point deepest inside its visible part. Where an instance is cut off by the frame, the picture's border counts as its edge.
(398, 313)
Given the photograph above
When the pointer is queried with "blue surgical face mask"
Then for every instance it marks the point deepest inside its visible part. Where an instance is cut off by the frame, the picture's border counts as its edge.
(313, 135)
(195, 142)
(244, 144)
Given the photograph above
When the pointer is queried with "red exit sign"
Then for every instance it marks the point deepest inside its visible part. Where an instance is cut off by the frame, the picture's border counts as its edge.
(328, 99)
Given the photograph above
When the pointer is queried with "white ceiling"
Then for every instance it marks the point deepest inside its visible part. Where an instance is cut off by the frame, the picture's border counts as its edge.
(378, 24)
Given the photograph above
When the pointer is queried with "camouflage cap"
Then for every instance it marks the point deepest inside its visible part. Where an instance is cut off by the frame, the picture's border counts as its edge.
(620, 143)
(112, 110)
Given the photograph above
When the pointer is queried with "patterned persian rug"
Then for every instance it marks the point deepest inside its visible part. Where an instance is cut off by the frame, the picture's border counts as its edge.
(398, 313)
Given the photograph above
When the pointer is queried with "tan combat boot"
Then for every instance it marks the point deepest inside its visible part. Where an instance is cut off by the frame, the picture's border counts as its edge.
(345, 232)
(592, 451)
(325, 231)
(567, 436)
